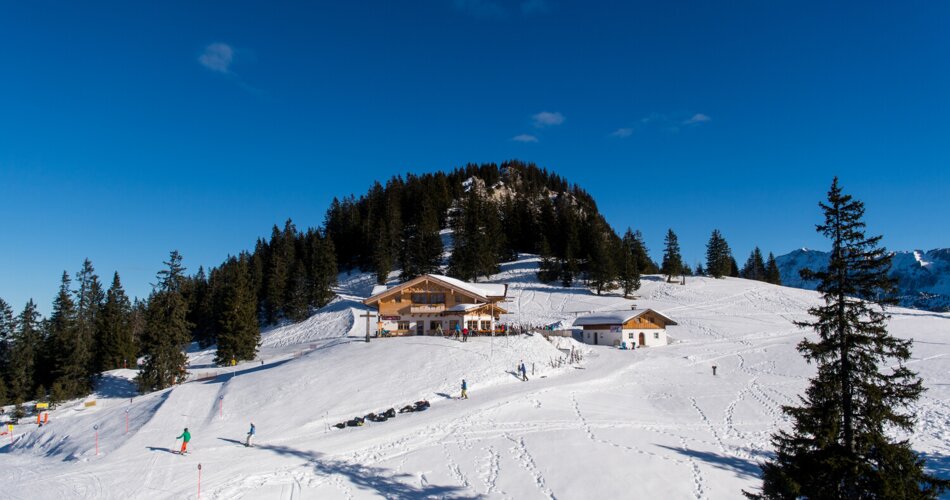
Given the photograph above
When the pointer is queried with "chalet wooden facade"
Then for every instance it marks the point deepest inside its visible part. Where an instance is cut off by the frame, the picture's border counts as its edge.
(637, 327)
(435, 305)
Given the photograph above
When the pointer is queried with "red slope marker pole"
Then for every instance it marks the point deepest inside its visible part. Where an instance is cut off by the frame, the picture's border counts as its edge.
(126, 421)
(199, 480)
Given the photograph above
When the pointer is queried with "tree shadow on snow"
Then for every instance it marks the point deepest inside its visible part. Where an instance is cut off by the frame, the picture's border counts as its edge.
(116, 387)
(742, 467)
(938, 465)
(225, 376)
(384, 482)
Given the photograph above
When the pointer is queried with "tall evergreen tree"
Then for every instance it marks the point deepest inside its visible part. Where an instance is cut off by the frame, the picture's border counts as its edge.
(477, 237)
(421, 251)
(548, 269)
(7, 336)
(718, 256)
(629, 270)
(672, 261)
(602, 270)
(239, 332)
(699, 270)
(27, 344)
(118, 347)
(772, 274)
(841, 445)
(640, 252)
(89, 297)
(69, 350)
(754, 268)
(167, 330)
(275, 277)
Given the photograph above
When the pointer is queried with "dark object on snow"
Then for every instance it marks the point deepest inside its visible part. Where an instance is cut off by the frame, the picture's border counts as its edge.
(356, 422)
(422, 405)
(371, 417)
(714, 369)
(390, 413)
(407, 409)
(340, 425)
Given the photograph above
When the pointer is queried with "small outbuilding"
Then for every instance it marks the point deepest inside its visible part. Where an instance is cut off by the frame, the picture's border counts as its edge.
(636, 327)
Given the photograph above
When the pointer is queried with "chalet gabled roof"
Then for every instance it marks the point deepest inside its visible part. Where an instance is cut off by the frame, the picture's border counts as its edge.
(617, 317)
(480, 291)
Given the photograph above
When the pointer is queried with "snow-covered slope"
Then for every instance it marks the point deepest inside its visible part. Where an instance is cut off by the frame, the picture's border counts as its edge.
(923, 278)
(651, 423)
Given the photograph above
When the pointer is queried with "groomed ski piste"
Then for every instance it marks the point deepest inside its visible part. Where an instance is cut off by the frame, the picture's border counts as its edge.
(650, 423)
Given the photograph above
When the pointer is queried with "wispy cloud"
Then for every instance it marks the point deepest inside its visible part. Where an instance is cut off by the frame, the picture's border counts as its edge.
(530, 7)
(481, 8)
(622, 132)
(524, 138)
(696, 119)
(217, 57)
(547, 119)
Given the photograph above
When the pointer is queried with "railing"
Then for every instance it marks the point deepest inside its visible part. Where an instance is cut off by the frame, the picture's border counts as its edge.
(426, 308)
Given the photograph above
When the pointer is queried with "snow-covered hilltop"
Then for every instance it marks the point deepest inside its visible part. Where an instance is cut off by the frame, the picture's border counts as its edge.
(651, 423)
(923, 278)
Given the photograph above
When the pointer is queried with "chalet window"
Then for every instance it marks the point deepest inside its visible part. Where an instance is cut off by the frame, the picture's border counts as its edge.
(419, 298)
(471, 325)
(398, 298)
(486, 325)
(437, 298)
(656, 335)
(402, 325)
(434, 325)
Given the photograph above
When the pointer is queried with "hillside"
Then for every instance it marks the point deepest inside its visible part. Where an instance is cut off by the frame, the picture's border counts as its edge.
(648, 423)
(923, 278)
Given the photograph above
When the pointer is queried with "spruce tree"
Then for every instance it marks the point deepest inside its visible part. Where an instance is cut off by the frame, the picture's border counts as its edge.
(772, 274)
(69, 351)
(733, 267)
(117, 349)
(548, 269)
(26, 350)
(7, 336)
(644, 263)
(672, 261)
(239, 332)
(841, 444)
(719, 261)
(754, 268)
(629, 271)
(167, 330)
(602, 270)
(89, 297)
(699, 270)
(275, 277)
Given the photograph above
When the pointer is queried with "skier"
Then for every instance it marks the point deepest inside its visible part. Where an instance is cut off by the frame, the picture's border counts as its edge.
(185, 438)
(458, 330)
(464, 389)
(465, 335)
(250, 435)
(524, 372)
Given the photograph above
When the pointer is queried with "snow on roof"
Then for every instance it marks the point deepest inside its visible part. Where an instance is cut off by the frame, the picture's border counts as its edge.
(615, 317)
(482, 289)
(378, 289)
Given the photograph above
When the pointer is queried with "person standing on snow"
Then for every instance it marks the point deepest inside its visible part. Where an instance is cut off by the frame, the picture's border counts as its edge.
(524, 371)
(465, 335)
(250, 435)
(464, 389)
(185, 438)
(458, 330)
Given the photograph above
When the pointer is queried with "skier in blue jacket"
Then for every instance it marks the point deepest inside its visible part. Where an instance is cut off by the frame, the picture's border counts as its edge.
(250, 435)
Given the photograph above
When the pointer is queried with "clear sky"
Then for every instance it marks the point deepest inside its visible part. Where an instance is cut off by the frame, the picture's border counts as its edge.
(128, 129)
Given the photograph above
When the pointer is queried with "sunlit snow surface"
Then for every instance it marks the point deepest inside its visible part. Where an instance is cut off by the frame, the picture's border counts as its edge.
(651, 423)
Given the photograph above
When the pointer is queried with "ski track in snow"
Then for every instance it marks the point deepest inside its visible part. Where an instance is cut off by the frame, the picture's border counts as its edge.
(672, 428)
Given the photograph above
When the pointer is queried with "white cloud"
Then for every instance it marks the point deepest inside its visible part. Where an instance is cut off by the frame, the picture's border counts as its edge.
(697, 119)
(524, 138)
(535, 7)
(481, 8)
(217, 57)
(547, 118)
(622, 132)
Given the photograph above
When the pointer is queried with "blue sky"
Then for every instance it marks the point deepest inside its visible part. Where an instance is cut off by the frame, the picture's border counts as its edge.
(128, 129)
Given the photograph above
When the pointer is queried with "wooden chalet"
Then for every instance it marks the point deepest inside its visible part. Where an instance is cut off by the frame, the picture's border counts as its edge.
(433, 304)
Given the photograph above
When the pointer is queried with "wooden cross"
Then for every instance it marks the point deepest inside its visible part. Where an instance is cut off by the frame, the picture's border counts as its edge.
(368, 315)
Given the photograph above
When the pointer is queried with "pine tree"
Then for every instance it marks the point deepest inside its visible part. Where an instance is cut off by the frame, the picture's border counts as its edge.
(629, 272)
(421, 251)
(275, 277)
(754, 268)
(118, 347)
(167, 330)
(69, 351)
(841, 443)
(772, 274)
(548, 269)
(602, 270)
(7, 336)
(239, 332)
(89, 297)
(672, 261)
(27, 344)
(644, 263)
(699, 270)
(201, 310)
(718, 256)
(733, 267)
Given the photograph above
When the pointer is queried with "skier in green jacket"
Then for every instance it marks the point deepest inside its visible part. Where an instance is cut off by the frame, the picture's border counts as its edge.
(185, 437)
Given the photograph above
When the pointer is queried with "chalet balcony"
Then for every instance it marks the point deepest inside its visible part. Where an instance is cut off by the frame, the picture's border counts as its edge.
(426, 308)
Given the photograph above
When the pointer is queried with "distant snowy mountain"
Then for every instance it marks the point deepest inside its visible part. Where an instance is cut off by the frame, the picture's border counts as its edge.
(923, 278)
